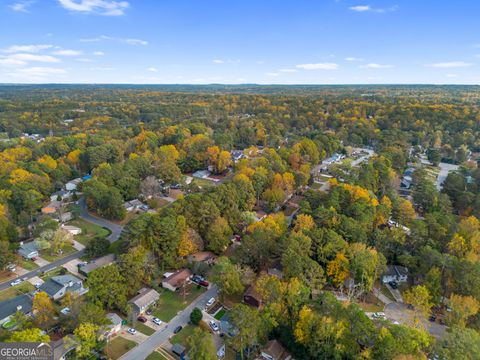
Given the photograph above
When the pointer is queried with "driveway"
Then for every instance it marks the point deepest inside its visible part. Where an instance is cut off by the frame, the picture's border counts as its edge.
(400, 312)
(442, 175)
(72, 266)
(35, 280)
(77, 245)
(138, 337)
(116, 230)
(160, 336)
(41, 262)
(381, 297)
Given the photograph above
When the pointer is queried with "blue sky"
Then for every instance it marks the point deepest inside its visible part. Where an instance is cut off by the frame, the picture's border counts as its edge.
(240, 41)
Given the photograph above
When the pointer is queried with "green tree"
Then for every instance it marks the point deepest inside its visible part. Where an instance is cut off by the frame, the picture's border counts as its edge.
(226, 276)
(247, 320)
(218, 235)
(29, 335)
(420, 298)
(86, 339)
(97, 247)
(461, 344)
(107, 287)
(201, 345)
(196, 316)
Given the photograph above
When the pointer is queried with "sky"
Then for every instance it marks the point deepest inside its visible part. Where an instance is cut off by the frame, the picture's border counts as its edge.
(240, 41)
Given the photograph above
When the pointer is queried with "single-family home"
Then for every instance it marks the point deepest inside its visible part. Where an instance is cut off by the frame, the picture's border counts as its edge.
(57, 286)
(85, 269)
(143, 300)
(60, 195)
(274, 351)
(9, 307)
(201, 174)
(47, 210)
(251, 297)
(115, 324)
(237, 155)
(395, 273)
(66, 216)
(74, 230)
(175, 281)
(134, 204)
(28, 250)
(260, 215)
(206, 257)
(72, 184)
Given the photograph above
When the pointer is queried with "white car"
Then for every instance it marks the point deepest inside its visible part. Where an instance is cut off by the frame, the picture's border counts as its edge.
(132, 331)
(16, 282)
(211, 301)
(65, 311)
(213, 325)
(378, 315)
(157, 321)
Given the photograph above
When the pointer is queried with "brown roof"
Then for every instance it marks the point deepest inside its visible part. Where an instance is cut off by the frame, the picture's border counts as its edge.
(202, 256)
(145, 298)
(275, 350)
(48, 210)
(178, 278)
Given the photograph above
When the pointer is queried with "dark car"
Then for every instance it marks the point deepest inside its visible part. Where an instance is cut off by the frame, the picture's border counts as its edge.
(432, 318)
(204, 283)
(393, 284)
(142, 319)
(148, 312)
(177, 329)
(197, 279)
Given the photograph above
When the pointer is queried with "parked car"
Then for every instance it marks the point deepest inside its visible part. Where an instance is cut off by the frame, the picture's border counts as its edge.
(393, 284)
(432, 318)
(197, 279)
(148, 312)
(157, 321)
(65, 311)
(132, 331)
(378, 315)
(142, 319)
(210, 301)
(177, 329)
(213, 325)
(204, 283)
(16, 282)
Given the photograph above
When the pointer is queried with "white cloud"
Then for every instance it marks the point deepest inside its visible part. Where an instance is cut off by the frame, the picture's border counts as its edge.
(67, 52)
(375, 66)
(10, 61)
(218, 61)
(122, 40)
(22, 59)
(368, 8)
(21, 6)
(101, 7)
(451, 64)
(26, 48)
(288, 70)
(272, 74)
(451, 75)
(152, 69)
(318, 66)
(84, 60)
(100, 68)
(98, 53)
(352, 58)
(37, 73)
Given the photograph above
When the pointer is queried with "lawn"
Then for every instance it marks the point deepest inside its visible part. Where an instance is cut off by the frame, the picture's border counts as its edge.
(220, 314)
(69, 249)
(6, 275)
(371, 304)
(27, 264)
(170, 303)
(144, 329)
(156, 356)
(118, 346)
(89, 231)
(115, 247)
(384, 290)
(181, 337)
(20, 289)
(54, 272)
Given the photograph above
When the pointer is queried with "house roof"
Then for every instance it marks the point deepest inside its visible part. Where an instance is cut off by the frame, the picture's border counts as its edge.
(27, 248)
(145, 298)
(48, 210)
(70, 227)
(202, 256)
(98, 263)
(114, 318)
(396, 270)
(56, 283)
(178, 278)
(178, 349)
(275, 350)
(10, 306)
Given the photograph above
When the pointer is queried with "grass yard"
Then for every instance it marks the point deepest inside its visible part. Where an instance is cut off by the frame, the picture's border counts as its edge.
(89, 231)
(27, 264)
(69, 249)
(144, 329)
(118, 346)
(181, 337)
(6, 275)
(220, 314)
(156, 356)
(170, 303)
(384, 290)
(20, 289)
(115, 247)
(371, 304)
(54, 272)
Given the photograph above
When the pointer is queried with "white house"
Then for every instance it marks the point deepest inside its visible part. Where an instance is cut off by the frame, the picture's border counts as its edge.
(115, 326)
(57, 286)
(395, 273)
(28, 250)
(72, 229)
(72, 184)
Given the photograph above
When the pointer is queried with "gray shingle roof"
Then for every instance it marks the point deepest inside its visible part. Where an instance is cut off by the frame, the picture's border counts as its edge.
(10, 306)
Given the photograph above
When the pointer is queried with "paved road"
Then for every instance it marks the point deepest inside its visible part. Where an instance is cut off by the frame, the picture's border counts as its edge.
(158, 338)
(442, 175)
(114, 228)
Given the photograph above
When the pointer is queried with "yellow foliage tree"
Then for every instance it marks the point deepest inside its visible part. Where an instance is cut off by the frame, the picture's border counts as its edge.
(338, 269)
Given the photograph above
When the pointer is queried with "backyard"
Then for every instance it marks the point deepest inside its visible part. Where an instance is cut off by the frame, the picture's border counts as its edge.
(118, 346)
(181, 337)
(170, 303)
(89, 231)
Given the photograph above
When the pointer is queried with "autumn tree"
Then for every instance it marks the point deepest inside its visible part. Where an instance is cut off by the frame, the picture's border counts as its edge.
(28, 335)
(44, 309)
(420, 298)
(462, 308)
(201, 345)
(226, 276)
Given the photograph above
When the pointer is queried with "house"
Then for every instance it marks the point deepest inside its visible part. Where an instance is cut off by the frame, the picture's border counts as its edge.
(274, 351)
(85, 269)
(9, 307)
(57, 286)
(72, 229)
(201, 174)
(115, 326)
(28, 250)
(251, 297)
(134, 204)
(260, 215)
(61, 194)
(395, 273)
(49, 210)
(67, 216)
(175, 281)
(142, 301)
(72, 184)
(237, 155)
(391, 223)
(206, 257)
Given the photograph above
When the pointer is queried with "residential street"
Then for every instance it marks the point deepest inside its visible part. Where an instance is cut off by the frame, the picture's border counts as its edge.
(114, 228)
(158, 338)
